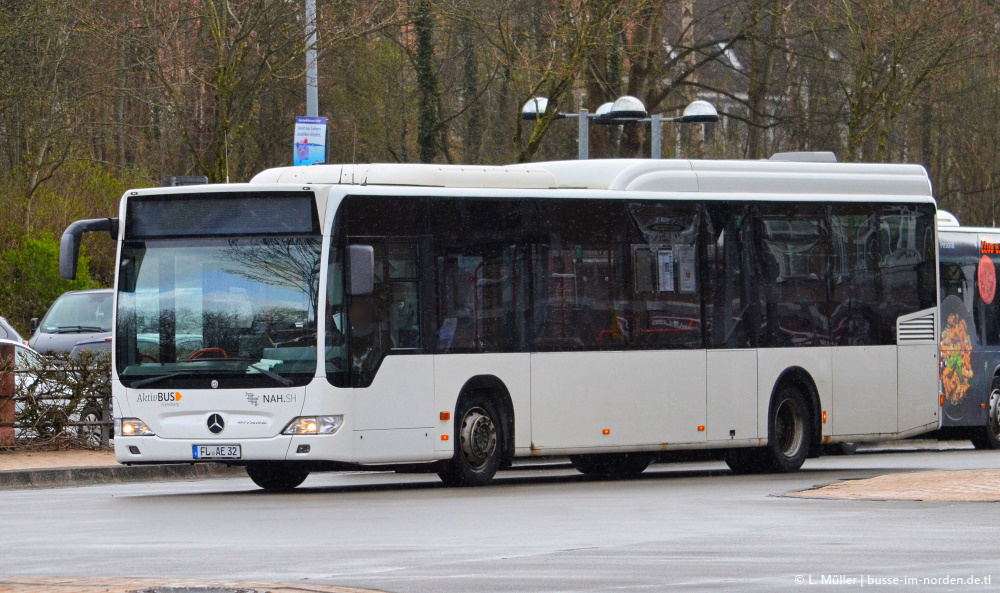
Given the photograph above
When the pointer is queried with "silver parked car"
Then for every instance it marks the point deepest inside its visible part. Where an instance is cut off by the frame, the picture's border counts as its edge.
(7, 332)
(77, 316)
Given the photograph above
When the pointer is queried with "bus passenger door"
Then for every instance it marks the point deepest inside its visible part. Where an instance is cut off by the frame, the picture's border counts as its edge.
(732, 395)
(394, 405)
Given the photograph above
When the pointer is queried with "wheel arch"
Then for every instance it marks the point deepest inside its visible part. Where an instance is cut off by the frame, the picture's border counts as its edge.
(497, 391)
(800, 378)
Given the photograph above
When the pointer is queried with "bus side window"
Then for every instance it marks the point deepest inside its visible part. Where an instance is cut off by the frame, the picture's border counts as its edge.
(987, 316)
(666, 300)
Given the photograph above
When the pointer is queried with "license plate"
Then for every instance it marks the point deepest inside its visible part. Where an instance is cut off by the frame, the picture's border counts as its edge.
(216, 451)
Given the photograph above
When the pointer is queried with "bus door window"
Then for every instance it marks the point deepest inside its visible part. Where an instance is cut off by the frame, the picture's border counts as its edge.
(403, 263)
(389, 318)
(730, 306)
(666, 305)
(794, 260)
(336, 320)
(854, 281)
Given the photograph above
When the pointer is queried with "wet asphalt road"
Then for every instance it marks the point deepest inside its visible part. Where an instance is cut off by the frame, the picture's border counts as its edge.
(683, 527)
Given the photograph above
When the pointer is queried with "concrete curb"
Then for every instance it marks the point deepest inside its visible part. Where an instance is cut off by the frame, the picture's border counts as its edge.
(113, 474)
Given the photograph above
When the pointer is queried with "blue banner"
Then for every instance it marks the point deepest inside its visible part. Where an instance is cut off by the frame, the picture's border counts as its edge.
(310, 140)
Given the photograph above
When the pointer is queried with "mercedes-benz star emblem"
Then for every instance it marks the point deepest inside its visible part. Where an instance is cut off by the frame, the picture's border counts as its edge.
(216, 424)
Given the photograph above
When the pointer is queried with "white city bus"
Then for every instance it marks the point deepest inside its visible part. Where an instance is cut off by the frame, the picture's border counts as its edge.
(455, 317)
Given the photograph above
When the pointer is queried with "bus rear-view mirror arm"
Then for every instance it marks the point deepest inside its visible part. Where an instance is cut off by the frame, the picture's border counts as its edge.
(360, 269)
(69, 246)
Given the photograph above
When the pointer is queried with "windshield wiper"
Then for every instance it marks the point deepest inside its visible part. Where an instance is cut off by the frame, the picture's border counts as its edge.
(156, 378)
(79, 329)
(273, 375)
(266, 372)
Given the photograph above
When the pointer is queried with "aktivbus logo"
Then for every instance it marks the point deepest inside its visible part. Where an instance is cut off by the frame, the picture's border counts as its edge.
(166, 398)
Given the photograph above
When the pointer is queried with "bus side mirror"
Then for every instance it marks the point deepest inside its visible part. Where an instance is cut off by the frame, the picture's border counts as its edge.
(360, 269)
(69, 245)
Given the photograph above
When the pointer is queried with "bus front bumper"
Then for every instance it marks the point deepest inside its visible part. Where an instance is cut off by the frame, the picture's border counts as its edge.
(153, 449)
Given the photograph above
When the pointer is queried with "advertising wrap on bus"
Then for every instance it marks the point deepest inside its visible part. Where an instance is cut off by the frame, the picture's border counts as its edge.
(970, 334)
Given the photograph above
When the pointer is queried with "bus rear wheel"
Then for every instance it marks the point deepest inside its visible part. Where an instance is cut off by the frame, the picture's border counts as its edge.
(276, 476)
(612, 465)
(988, 437)
(478, 443)
(788, 432)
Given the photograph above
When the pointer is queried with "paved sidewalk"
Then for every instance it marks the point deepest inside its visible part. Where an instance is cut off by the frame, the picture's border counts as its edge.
(974, 485)
(123, 585)
(56, 459)
(82, 467)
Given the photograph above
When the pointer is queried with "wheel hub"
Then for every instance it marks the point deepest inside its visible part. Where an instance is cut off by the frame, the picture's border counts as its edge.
(788, 428)
(478, 438)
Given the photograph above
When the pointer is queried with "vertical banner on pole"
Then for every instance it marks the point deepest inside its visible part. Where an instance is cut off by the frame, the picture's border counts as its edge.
(310, 140)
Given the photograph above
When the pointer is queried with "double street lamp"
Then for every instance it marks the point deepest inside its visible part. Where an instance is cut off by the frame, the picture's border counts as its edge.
(624, 110)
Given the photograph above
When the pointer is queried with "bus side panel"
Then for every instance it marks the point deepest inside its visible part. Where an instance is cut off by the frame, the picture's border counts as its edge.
(394, 416)
(452, 371)
(400, 396)
(773, 362)
(864, 394)
(641, 397)
(918, 386)
(732, 395)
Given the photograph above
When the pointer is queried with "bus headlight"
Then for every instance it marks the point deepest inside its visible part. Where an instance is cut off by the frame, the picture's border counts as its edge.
(315, 425)
(132, 427)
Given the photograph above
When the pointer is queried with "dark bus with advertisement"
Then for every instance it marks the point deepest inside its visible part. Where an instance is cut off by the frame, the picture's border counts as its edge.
(970, 332)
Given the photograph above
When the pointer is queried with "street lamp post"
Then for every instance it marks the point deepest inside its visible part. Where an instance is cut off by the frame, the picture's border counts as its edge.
(624, 110)
(312, 75)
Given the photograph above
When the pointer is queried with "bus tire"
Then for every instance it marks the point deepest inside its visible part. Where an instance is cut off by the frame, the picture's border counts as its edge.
(276, 476)
(478, 443)
(788, 436)
(612, 465)
(788, 430)
(988, 436)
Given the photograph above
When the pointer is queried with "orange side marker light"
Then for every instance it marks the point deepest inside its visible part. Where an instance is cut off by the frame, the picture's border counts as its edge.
(444, 437)
(606, 431)
(446, 415)
(824, 416)
(701, 429)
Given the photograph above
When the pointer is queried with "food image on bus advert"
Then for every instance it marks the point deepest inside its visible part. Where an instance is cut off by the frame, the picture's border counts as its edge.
(956, 350)
(987, 279)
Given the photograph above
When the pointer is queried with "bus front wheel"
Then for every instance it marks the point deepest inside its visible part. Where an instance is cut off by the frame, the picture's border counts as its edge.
(478, 443)
(276, 476)
(988, 437)
(788, 433)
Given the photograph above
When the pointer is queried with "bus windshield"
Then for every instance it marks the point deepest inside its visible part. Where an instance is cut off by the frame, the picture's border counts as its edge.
(218, 312)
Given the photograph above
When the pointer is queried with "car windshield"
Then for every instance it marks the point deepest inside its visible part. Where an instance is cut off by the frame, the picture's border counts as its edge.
(230, 312)
(80, 312)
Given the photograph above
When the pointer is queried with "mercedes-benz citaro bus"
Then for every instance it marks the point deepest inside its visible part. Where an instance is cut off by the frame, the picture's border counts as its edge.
(970, 332)
(391, 316)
